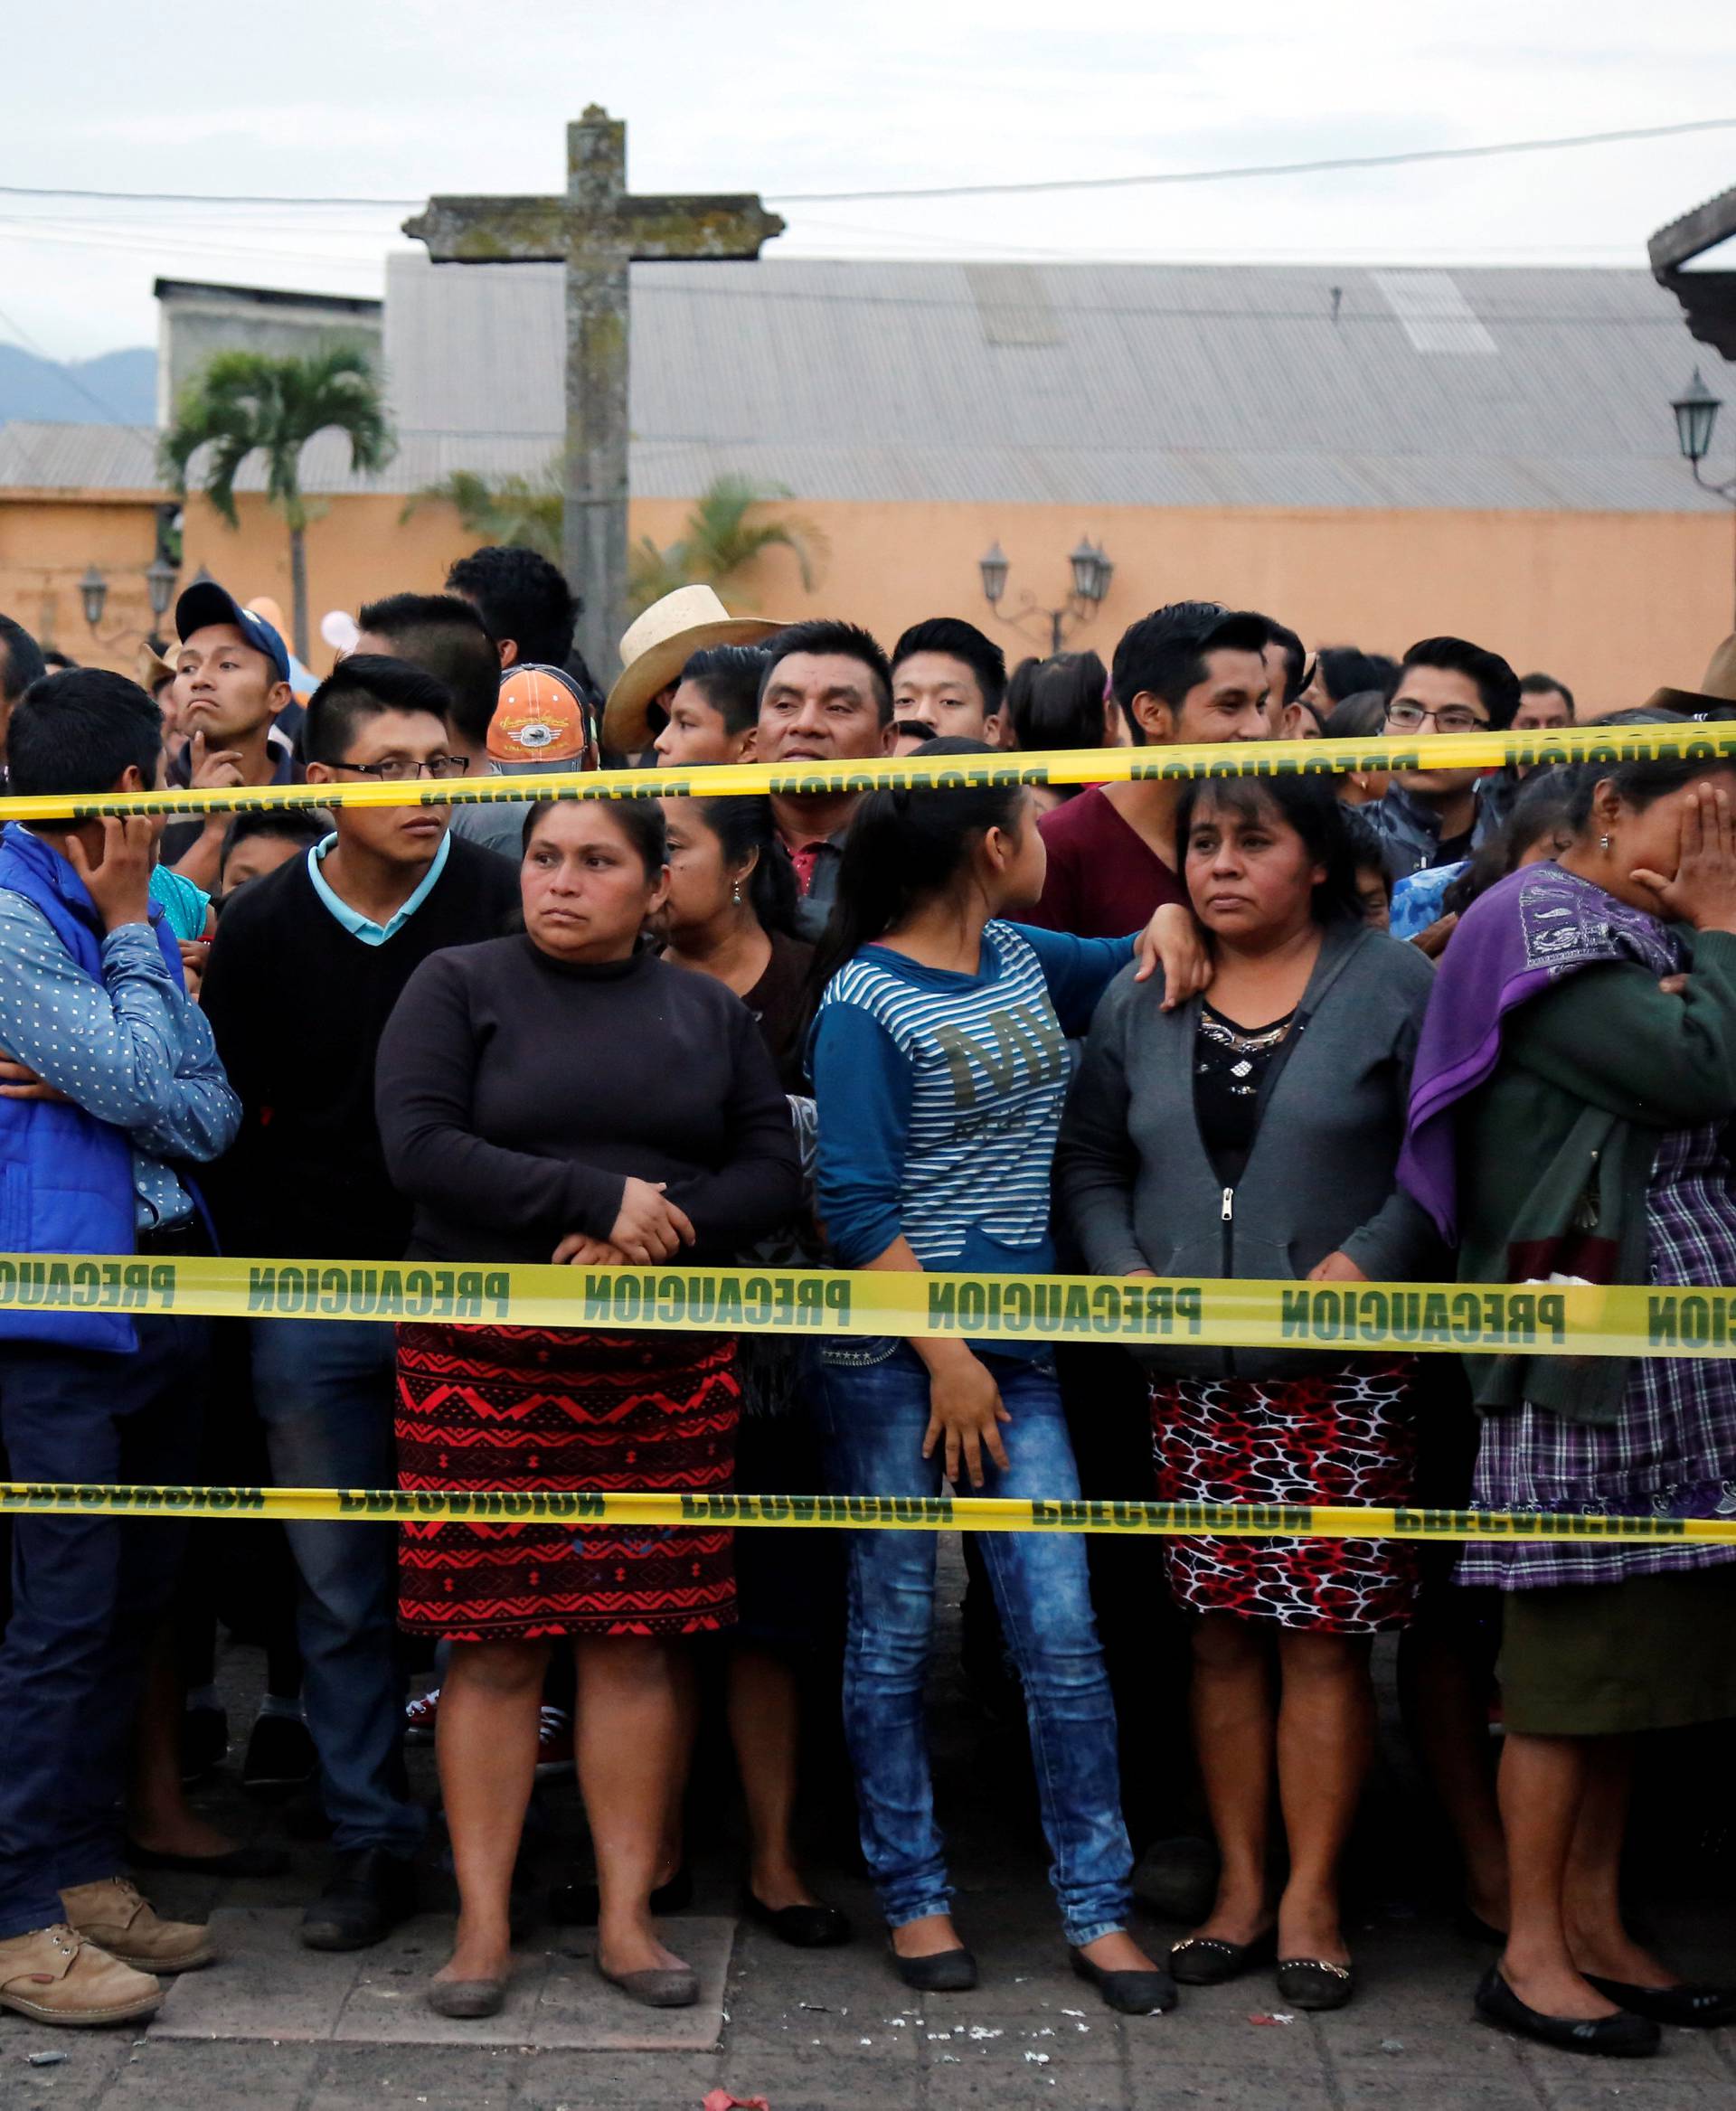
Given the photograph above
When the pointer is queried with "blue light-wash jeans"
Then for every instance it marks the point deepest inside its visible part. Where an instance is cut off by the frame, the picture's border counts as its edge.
(872, 1397)
(326, 1392)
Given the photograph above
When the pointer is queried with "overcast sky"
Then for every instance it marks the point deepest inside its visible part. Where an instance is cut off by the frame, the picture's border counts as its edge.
(322, 98)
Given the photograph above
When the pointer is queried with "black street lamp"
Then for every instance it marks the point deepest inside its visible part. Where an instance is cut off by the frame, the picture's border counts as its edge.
(160, 575)
(1696, 412)
(93, 591)
(1091, 571)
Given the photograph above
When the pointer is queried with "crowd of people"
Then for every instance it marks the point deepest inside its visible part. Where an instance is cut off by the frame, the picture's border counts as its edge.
(1342, 1029)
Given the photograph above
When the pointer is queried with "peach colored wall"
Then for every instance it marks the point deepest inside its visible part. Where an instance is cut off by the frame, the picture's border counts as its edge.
(47, 545)
(1616, 603)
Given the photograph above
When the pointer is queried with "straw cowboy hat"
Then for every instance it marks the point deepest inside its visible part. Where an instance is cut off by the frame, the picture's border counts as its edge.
(1719, 686)
(658, 645)
(153, 667)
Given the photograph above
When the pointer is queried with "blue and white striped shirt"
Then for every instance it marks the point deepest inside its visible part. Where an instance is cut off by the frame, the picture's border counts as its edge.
(940, 1097)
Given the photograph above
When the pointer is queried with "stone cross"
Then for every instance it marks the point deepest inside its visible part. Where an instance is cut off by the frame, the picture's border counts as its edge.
(597, 229)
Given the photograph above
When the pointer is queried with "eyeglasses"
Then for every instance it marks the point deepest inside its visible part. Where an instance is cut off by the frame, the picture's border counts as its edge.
(397, 769)
(1451, 718)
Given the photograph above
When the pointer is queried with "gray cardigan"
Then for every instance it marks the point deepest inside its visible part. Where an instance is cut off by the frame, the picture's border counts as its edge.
(1136, 1184)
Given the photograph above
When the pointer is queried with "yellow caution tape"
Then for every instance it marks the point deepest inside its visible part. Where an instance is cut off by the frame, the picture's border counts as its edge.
(995, 1310)
(1708, 742)
(583, 1507)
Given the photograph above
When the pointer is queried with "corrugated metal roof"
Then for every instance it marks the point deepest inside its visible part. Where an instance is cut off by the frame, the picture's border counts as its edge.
(1128, 384)
(105, 457)
(1298, 386)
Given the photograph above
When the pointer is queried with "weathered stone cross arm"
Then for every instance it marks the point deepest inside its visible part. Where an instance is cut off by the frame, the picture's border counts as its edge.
(524, 231)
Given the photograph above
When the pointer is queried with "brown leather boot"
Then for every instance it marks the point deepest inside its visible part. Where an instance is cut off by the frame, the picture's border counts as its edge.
(115, 1915)
(54, 1976)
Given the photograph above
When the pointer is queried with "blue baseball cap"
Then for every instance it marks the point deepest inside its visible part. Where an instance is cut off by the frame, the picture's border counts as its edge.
(205, 602)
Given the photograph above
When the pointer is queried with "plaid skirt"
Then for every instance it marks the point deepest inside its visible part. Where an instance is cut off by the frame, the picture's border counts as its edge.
(1671, 1452)
(530, 1409)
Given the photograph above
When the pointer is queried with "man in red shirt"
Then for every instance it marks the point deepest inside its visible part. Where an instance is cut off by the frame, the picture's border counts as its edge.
(1191, 671)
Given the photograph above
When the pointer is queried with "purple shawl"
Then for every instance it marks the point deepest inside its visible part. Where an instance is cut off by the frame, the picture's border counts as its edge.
(1529, 931)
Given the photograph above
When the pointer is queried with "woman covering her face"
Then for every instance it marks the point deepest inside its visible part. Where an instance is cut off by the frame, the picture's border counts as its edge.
(1570, 1123)
(567, 1096)
(1255, 1131)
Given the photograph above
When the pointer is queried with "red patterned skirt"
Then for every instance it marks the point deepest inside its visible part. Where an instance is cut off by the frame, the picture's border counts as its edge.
(1348, 1436)
(538, 1408)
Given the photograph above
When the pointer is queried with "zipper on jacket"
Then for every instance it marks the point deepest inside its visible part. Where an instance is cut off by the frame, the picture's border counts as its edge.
(1227, 1219)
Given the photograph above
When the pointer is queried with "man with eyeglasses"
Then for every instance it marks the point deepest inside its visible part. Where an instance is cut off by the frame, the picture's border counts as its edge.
(1435, 818)
(304, 973)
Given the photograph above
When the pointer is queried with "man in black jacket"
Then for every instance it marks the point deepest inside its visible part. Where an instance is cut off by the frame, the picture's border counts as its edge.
(303, 976)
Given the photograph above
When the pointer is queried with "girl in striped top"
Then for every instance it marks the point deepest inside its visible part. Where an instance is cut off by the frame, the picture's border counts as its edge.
(940, 1061)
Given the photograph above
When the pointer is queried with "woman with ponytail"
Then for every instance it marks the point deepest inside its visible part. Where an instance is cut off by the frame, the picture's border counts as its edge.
(940, 1061)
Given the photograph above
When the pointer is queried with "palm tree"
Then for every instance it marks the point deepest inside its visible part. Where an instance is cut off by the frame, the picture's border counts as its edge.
(241, 403)
(722, 542)
(522, 512)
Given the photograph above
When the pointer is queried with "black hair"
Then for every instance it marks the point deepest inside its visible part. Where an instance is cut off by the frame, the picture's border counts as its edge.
(1059, 702)
(743, 826)
(906, 846)
(639, 820)
(446, 637)
(1348, 671)
(849, 641)
(1367, 853)
(1358, 716)
(1647, 777)
(1296, 657)
(1310, 806)
(962, 641)
(1541, 684)
(366, 686)
(20, 660)
(522, 596)
(305, 826)
(1496, 682)
(728, 676)
(58, 663)
(1164, 654)
(1542, 806)
(81, 731)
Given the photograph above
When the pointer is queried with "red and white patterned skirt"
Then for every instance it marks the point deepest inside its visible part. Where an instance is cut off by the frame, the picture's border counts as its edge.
(1348, 1436)
(540, 1409)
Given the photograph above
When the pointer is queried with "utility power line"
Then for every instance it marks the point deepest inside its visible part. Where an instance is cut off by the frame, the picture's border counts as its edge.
(1214, 175)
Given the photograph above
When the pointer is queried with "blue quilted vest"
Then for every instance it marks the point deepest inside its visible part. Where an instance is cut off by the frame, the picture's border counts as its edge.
(66, 1178)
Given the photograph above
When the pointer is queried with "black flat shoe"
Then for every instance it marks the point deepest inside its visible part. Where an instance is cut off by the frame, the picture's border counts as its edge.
(1205, 1960)
(945, 1972)
(1687, 2008)
(577, 1905)
(1312, 1982)
(251, 1860)
(803, 1928)
(1129, 1993)
(1620, 2036)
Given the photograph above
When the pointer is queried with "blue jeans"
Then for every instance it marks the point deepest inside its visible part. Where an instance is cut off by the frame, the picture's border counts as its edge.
(873, 1401)
(88, 1593)
(324, 1390)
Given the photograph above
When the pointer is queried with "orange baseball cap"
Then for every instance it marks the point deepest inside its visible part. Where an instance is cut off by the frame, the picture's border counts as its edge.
(540, 718)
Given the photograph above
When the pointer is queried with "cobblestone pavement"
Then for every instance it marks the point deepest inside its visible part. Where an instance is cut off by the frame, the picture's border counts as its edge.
(836, 2031)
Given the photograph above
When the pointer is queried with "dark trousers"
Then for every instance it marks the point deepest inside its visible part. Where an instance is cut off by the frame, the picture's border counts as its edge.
(87, 1593)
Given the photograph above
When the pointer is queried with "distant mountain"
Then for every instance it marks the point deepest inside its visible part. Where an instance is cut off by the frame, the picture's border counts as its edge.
(119, 388)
